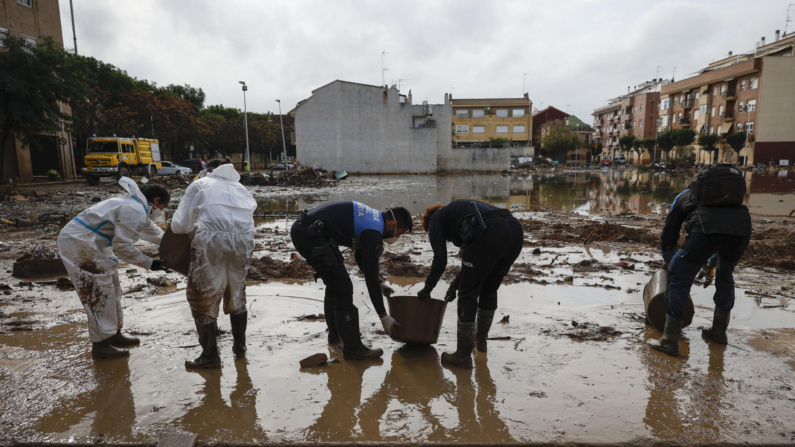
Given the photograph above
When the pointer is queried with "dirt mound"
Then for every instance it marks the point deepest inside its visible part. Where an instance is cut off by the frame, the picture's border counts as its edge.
(41, 262)
(173, 181)
(603, 232)
(401, 265)
(40, 253)
(776, 253)
(266, 268)
(298, 177)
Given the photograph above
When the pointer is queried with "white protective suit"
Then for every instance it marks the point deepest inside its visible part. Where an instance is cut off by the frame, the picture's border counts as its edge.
(91, 246)
(223, 243)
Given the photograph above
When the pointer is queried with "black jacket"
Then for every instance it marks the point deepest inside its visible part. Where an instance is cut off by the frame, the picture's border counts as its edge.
(731, 220)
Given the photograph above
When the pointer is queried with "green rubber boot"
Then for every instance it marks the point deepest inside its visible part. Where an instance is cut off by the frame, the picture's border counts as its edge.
(669, 343)
(720, 323)
(462, 357)
(484, 320)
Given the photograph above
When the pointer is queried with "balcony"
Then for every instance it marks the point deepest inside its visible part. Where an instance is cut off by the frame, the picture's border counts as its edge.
(685, 122)
(687, 103)
(728, 115)
(628, 125)
(729, 95)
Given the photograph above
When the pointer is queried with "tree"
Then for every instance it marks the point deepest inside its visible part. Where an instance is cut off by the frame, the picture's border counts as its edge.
(709, 142)
(626, 142)
(649, 144)
(34, 80)
(556, 138)
(637, 147)
(665, 141)
(684, 137)
(736, 141)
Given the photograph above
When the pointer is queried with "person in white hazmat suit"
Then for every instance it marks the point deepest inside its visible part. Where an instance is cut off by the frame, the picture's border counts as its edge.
(222, 210)
(91, 246)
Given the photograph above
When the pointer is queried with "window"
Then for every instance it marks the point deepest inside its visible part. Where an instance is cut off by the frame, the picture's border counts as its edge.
(712, 112)
(752, 105)
(26, 2)
(723, 89)
(641, 107)
(634, 109)
(502, 129)
(754, 83)
(502, 113)
(749, 128)
(740, 127)
(461, 129)
(30, 40)
(462, 113)
(519, 129)
(714, 91)
(3, 36)
(640, 123)
(703, 109)
(698, 95)
(477, 113)
(711, 130)
(478, 129)
(518, 113)
(695, 114)
(720, 111)
(675, 100)
(742, 85)
(719, 130)
(740, 107)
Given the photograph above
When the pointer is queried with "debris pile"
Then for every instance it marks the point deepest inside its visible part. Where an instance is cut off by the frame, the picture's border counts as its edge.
(265, 268)
(315, 178)
(41, 262)
(172, 181)
(596, 232)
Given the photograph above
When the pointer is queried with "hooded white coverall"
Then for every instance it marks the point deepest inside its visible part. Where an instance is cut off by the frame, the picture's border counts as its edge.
(223, 244)
(91, 246)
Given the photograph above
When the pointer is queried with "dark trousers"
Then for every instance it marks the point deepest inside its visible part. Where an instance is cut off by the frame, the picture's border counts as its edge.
(486, 261)
(339, 288)
(686, 263)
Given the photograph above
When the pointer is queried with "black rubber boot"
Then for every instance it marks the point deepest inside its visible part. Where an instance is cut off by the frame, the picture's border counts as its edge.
(462, 357)
(331, 322)
(348, 329)
(669, 343)
(484, 320)
(121, 340)
(239, 322)
(209, 358)
(720, 322)
(105, 350)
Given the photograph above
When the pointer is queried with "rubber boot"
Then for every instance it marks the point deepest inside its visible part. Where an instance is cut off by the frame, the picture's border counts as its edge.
(348, 329)
(121, 340)
(105, 350)
(462, 357)
(209, 358)
(669, 343)
(331, 323)
(720, 322)
(239, 322)
(484, 320)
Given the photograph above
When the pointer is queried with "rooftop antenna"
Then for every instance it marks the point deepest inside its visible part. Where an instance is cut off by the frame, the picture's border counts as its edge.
(567, 108)
(383, 69)
(657, 74)
(786, 24)
(673, 76)
(524, 89)
(401, 80)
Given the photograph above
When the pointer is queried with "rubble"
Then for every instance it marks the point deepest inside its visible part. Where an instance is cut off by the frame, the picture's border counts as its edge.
(305, 177)
(266, 268)
(41, 262)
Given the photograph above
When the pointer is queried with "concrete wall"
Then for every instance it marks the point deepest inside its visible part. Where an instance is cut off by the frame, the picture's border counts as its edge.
(474, 159)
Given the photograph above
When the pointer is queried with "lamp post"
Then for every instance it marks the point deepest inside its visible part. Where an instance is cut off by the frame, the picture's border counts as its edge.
(747, 147)
(245, 119)
(284, 143)
(151, 116)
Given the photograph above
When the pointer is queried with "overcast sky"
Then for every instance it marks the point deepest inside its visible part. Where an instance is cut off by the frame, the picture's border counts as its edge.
(575, 52)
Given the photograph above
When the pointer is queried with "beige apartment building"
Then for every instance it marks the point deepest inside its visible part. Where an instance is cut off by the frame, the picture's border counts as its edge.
(632, 114)
(475, 121)
(752, 92)
(31, 20)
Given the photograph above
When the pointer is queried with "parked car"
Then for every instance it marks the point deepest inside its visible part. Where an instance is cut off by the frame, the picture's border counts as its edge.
(193, 164)
(606, 162)
(170, 168)
(620, 160)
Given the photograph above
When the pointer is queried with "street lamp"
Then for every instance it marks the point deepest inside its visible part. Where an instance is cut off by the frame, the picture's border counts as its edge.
(245, 118)
(284, 143)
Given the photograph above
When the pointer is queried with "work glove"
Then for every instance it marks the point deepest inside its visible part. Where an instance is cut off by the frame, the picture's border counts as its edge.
(386, 290)
(424, 294)
(158, 265)
(667, 255)
(390, 325)
(452, 292)
(707, 273)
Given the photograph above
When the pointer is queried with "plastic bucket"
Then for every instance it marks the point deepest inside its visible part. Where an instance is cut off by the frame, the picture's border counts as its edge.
(420, 321)
(654, 301)
(175, 251)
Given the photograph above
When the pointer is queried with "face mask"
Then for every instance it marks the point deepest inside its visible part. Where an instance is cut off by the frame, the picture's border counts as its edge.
(156, 215)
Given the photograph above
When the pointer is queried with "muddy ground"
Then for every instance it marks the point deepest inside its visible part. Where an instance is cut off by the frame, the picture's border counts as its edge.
(567, 362)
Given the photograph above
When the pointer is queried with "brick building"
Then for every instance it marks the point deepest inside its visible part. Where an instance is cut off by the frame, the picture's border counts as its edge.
(477, 120)
(31, 20)
(751, 92)
(547, 115)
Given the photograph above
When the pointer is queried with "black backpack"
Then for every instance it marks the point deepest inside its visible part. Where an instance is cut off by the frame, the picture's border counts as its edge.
(720, 185)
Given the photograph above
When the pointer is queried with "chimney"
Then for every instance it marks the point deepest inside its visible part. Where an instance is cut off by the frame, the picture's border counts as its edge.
(730, 54)
(778, 35)
(763, 41)
(527, 96)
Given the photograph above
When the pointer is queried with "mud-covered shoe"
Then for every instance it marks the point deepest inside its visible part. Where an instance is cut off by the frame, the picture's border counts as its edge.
(720, 323)
(348, 330)
(209, 358)
(121, 340)
(465, 339)
(333, 338)
(484, 320)
(104, 350)
(669, 343)
(239, 322)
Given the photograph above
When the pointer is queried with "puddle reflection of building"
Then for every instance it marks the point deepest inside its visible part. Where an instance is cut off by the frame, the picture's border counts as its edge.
(111, 401)
(212, 413)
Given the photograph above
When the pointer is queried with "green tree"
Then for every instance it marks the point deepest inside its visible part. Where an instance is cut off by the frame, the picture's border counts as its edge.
(556, 138)
(736, 141)
(709, 143)
(666, 141)
(34, 80)
(684, 137)
(649, 144)
(637, 147)
(626, 142)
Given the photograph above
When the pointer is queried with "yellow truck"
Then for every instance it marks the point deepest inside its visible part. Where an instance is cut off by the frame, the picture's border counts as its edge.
(120, 157)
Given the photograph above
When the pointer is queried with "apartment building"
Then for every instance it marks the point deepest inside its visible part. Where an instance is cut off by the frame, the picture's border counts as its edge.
(752, 92)
(584, 153)
(632, 114)
(475, 121)
(31, 20)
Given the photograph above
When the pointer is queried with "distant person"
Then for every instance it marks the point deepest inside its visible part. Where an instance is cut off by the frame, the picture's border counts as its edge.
(716, 221)
(317, 235)
(488, 254)
(91, 246)
(221, 212)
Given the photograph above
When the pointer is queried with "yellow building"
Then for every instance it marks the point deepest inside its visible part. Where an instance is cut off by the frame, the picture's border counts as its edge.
(476, 121)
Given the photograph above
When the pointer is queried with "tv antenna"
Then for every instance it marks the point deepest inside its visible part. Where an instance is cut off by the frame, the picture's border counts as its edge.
(657, 74)
(524, 89)
(673, 76)
(383, 69)
(786, 24)
(400, 81)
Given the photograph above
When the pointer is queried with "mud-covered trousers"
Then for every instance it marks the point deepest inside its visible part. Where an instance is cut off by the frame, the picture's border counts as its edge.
(686, 263)
(330, 267)
(486, 261)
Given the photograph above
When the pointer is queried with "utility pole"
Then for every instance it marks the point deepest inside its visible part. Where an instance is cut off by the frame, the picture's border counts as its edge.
(284, 143)
(383, 69)
(245, 118)
(74, 35)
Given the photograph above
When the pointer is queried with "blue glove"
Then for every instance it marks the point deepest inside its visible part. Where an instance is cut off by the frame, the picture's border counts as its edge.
(667, 255)
(713, 260)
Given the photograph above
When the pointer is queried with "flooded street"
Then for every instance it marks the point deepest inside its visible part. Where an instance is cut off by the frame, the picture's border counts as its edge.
(567, 361)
